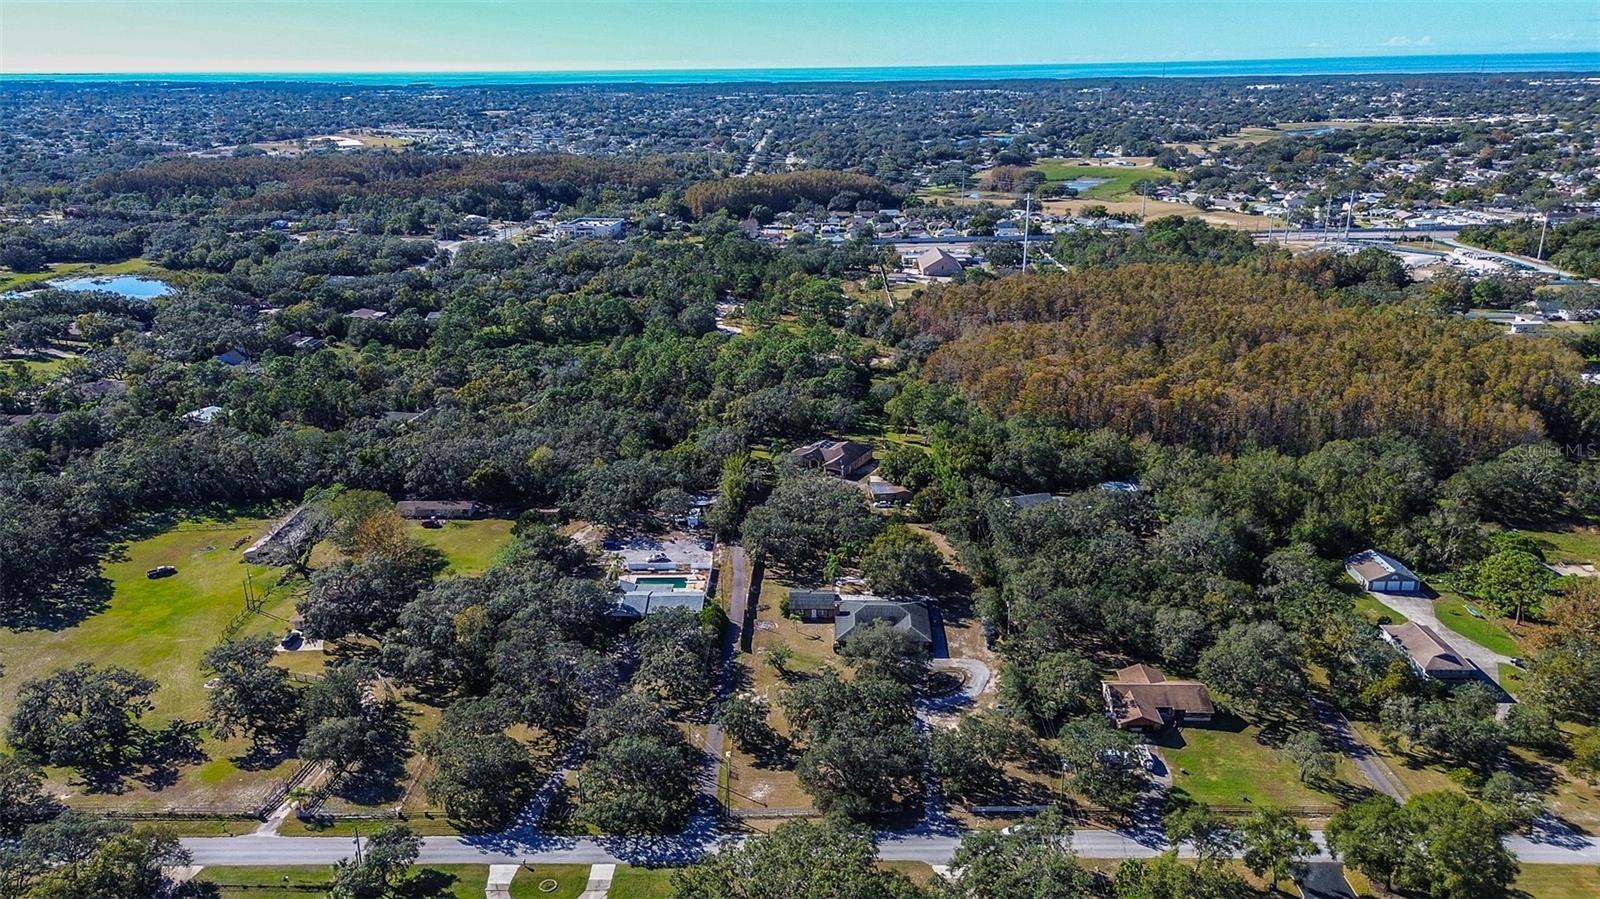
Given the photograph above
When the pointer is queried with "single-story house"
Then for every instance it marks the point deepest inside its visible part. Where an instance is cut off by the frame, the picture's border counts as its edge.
(936, 263)
(1029, 500)
(910, 617)
(637, 603)
(841, 458)
(1141, 698)
(1382, 573)
(887, 494)
(203, 415)
(1429, 654)
(592, 227)
(367, 315)
(101, 389)
(437, 508)
(813, 605)
(232, 358)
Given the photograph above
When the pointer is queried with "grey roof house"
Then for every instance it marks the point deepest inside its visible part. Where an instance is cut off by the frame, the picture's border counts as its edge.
(854, 614)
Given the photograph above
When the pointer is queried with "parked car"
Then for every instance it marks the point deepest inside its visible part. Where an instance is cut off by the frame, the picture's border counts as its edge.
(161, 571)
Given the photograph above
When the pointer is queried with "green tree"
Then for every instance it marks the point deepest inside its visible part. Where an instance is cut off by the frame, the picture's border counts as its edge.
(84, 716)
(902, 562)
(381, 866)
(817, 860)
(744, 719)
(1033, 860)
(23, 798)
(1276, 845)
(1455, 851)
(1311, 757)
(879, 649)
(1101, 763)
(249, 694)
(1371, 836)
(1214, 841)
(481, 775)
(1510, 582)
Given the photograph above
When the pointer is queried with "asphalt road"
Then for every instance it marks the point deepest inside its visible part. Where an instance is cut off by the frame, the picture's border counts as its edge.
(934, 849)
(1325, 880)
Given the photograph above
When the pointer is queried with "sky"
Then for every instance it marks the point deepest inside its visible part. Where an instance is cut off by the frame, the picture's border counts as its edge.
(83, 36)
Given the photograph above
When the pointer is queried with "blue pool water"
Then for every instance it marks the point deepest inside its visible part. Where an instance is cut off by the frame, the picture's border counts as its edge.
(130, 286)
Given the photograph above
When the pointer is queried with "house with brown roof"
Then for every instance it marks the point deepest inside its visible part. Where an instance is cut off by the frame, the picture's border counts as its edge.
(1427, 651)
(936, 263)
(1141, 698)
(841, 458)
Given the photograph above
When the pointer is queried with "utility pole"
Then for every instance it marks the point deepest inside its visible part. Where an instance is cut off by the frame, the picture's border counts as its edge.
(1542, 229)
(1349, 213)
(1027, 222)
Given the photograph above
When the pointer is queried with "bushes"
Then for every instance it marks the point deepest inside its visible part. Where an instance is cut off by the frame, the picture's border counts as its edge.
(780, 191)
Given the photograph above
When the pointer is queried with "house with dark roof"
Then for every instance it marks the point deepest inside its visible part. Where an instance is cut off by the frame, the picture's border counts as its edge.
(1030, 500)
(813, 605)
(1141, 698)
(437, 508)
(1382, 573)
(1427, 652)
(909, 617)
(840, 458)
(887, 494)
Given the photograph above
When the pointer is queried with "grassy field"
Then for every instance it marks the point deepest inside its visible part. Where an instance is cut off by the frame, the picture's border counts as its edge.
(1486, 632)
(1414, 771)
(1119, 179)
(1226, 764)
(1557, 882)
(751, 785)
(1577, 546)
(10, 280)
(1373, 609)
(430, 882)
(160, 628)
(469, 546)
(641, 883)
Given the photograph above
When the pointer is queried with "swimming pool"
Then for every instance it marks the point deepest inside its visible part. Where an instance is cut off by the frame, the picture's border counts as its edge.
(676, 583)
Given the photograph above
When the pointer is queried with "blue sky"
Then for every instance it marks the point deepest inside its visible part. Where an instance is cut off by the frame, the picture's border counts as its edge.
(539, 35)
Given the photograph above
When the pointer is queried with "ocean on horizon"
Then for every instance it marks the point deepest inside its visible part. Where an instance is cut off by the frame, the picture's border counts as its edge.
(1566, 63)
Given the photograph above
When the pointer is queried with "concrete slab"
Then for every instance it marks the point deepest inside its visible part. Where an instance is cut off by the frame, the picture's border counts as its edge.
(599, 881)
(499, 883)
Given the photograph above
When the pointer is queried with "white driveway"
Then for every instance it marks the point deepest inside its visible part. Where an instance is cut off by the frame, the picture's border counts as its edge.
(1420, 610)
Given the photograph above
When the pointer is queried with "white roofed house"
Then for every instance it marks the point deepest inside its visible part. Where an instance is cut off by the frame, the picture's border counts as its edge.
(1381, 573)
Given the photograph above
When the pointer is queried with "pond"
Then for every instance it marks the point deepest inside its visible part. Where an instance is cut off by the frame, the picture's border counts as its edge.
(1082, 184)
(131, 286)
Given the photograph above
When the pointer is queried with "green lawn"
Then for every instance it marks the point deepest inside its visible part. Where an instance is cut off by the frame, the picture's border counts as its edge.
(1373, 609)
(1557, 882)
(1486, 632)
(469, 546)
(1580, 546)
(10, 280)
(1119, 179)
(1225, 764)
(429, 882)
(160, 628)
(641, 883)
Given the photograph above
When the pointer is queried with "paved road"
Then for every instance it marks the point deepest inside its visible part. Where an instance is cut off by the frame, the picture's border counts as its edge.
(739, 593)
(1350, 745)
(935, 849)
(1325, 880)
(1420, 610)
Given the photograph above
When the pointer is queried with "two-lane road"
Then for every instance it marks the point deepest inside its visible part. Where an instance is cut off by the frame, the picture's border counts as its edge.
(1558, 849)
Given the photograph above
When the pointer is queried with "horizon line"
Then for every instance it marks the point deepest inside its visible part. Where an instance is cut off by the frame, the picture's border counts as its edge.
(1412, 61)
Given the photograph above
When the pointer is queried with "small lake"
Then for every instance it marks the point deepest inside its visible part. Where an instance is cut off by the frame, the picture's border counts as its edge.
(1082, 184)
(130, 286)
